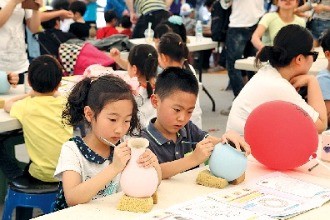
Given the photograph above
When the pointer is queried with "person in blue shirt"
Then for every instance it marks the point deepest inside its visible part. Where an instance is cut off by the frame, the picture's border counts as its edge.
(323, 76)
(119, 6)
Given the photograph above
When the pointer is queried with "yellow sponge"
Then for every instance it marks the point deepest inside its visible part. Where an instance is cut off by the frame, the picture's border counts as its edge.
(155, 198)
(205, 178)
(132, 204)
(238, 180)
(2, 103)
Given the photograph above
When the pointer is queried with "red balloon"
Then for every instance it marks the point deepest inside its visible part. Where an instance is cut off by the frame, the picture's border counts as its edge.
(281, 135)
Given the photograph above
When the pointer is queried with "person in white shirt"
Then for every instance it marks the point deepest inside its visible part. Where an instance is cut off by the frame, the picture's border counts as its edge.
(13, 56)
(242, 23)
(287, 72)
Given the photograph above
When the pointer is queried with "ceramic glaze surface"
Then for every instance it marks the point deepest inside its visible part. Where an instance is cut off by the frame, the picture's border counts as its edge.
(138, 181)
(4, 84)
(226, 162)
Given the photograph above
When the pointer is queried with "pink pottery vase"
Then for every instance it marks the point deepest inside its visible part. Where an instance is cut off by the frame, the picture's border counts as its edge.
(138, 181)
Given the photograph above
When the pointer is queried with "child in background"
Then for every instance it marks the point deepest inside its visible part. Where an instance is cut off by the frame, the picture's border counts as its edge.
(126, 24)
(79, 27)
(90, 168)
(142, 63)
(39, 112)
(188, 19)
(323, 76)
(172, 136)
(173, 52)
(289, 60)
(111, 19)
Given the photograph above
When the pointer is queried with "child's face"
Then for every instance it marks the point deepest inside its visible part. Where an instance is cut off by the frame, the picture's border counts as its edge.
(174, 111)
(113, 121)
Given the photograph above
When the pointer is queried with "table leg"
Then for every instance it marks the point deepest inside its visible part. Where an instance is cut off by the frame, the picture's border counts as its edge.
(199, 62)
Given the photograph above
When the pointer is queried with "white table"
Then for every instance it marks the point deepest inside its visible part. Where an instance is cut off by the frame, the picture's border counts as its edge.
(249, 65)
(205, 43)
(8, 123)
(178, 189)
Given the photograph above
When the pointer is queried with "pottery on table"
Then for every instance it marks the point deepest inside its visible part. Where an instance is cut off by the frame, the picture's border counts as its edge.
(227, 162)
(138, 181)
(4, 84)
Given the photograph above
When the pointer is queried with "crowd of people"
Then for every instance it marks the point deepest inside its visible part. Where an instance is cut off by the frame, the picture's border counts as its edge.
(165, 108)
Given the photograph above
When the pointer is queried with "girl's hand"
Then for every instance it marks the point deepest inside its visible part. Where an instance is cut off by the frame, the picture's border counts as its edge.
(300, 81)
(203, 150)
(148, 159)
(13, 79)
(121, 156)
(115, 54)
(318, 8)
(238, 141)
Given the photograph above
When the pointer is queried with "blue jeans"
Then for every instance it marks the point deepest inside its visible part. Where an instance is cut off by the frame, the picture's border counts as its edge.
(8, 162)
(318, 27)
(238, 44)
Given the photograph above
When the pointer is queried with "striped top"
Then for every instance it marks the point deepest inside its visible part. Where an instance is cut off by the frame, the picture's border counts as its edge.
(147, 6)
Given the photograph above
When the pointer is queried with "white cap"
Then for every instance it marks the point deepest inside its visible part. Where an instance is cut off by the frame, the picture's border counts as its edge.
(185, 9)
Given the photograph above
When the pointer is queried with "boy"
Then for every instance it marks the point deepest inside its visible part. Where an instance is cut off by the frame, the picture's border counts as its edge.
(111, 19)
(178, 143)
(79, 27)
(40, 113)
(52, 36)
(324, 75)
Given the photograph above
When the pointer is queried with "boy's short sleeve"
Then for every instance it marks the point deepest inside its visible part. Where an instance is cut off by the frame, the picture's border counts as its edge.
(196, 133)
(68, 160)
(324, 81)
(17, 110)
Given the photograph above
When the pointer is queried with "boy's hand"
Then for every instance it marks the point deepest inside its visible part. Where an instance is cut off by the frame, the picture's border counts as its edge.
(13, 79)
(115, 54)
(238, 141)
(148, 159)
(203, 151)
(121, 156)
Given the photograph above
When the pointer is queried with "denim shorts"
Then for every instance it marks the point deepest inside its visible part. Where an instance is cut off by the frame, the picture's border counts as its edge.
(319, 27)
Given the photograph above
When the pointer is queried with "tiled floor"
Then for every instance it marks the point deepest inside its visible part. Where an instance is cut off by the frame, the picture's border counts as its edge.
(213, 122)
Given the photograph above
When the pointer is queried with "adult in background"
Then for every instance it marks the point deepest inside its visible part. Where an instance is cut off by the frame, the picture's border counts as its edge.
(320, 18)
(119, 6)
(242, 23)
(13, 56)
(154, 11)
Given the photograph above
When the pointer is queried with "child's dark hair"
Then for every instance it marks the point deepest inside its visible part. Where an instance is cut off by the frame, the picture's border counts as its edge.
(96, 94)
(173, 79)
(110, 15)
(45, 74)
(161, 29)
(325, 41)
(145, 58)
(60, 4)
(173, 46)
(78, 6)
(289, 42)
(126, 22)
(176, 24)
(51, 23)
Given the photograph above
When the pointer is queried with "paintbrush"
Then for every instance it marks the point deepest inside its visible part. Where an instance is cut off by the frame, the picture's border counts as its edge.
(107, 142)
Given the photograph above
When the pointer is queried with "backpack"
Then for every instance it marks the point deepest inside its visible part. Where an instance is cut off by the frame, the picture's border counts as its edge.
(219, 22)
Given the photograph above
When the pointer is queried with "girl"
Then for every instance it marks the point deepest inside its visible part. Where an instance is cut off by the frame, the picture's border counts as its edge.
(272, 22)
(142, 63)
(172, 52)
(290, 59)
(89, 168)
